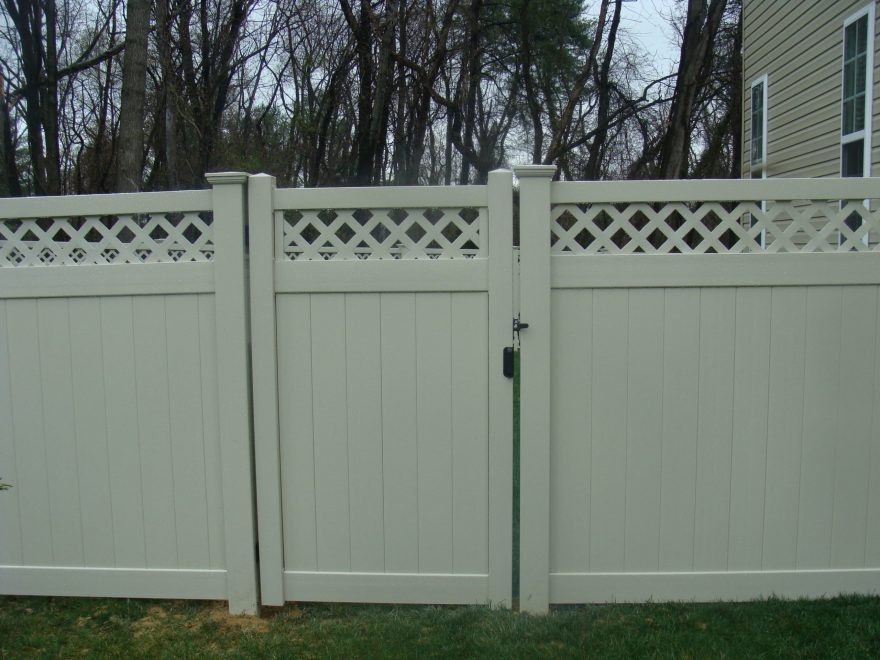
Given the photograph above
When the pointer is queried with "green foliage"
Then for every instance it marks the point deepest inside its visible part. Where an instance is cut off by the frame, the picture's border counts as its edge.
(846, 627)
(5, 486)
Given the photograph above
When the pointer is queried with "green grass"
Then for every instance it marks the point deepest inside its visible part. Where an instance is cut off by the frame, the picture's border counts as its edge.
(67, 627)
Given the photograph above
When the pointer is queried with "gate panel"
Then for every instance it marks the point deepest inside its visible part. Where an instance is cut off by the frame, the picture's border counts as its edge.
(391, 454)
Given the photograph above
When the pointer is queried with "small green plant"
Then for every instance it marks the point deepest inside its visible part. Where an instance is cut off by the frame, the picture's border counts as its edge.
(4, 485)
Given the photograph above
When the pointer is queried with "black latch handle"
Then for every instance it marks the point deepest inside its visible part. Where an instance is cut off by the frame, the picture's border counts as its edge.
(507, 362)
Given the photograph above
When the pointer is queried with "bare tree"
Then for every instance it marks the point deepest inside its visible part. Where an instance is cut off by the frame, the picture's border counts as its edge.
(134, 84)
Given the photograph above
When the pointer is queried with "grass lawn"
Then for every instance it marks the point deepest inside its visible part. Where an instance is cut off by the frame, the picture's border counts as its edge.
(77, 627)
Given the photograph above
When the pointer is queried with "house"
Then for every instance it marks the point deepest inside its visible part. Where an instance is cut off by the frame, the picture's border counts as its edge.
(809, 96)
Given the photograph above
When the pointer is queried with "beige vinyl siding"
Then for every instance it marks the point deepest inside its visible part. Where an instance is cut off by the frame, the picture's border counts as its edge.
(799, 45)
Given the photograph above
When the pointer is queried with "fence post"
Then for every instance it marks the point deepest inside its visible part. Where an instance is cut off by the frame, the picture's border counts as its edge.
(261, 223)
(534, 232)
(236, 446)
(499, 227)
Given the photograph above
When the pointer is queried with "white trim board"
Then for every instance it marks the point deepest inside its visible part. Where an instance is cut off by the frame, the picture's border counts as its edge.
(571, 588)
(112, 582)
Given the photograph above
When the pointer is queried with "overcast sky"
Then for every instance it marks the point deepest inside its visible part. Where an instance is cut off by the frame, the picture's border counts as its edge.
(646, 22)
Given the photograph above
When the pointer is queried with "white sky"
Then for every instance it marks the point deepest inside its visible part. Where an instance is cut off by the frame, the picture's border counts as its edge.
(646, 23)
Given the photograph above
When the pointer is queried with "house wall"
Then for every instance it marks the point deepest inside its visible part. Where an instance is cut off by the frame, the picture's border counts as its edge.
(799, 45)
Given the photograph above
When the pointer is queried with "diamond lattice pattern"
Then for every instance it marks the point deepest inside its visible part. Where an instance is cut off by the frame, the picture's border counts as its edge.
(117, 239)
(350, 234)
(715, 227)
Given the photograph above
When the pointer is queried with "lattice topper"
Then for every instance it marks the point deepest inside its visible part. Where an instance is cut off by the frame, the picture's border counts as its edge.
(116, 239)
(411, 233)
(737, 227)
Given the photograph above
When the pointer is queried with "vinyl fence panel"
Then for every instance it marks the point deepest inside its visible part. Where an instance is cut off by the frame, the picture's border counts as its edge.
(123, 483)
(712, 419)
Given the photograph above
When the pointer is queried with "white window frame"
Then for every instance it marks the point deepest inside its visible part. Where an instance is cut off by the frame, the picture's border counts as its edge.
(761, 167)
(865, 133)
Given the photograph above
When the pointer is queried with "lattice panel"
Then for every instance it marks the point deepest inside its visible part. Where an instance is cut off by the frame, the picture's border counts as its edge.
(716, 227)
(411, 233)
(117, 239)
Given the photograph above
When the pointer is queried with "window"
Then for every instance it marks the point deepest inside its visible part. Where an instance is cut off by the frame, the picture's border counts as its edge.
(857, 94)
(758, 143)
(858, 64)
(759, 128)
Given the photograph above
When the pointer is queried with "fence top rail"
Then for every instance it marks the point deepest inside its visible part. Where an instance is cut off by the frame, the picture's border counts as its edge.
(385, 197)
(712, 190)
(182, 201)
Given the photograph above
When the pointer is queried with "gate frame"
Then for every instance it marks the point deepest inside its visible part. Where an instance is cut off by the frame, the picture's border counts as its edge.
(264, 386)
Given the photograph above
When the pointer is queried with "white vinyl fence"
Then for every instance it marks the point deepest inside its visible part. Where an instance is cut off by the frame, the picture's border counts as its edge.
(264, 395)
(123, 410)
(701, 390)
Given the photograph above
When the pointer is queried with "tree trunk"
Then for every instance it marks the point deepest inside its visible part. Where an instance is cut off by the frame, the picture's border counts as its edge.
(9, 184)
(134, 82)
(597, 146)
(700, 29)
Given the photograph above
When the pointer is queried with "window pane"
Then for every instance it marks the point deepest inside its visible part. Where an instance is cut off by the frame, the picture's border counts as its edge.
(848, 116)
(862, 39)
(757, 150)
(852, 159)
(859, 105)
(849, 38)
(849, 79)
(861, 65)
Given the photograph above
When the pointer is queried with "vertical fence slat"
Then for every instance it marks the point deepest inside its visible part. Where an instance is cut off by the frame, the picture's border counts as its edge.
(89, 396)
(11, 539)
(234, 391)
(678, 473)
(434, 431)
(187, 438)
(32, 482)
(60, 432)
(123, 435)
(472, 550)
(363, 366)
(399, 421)
(331, 432)
(715, 434)
(749, 451)
(608, 420)
(821, 388)
(571, 442)
(852, 456)
(785, 416)
(296, 427)
(644, 417)
(535, 390)
(264, 383)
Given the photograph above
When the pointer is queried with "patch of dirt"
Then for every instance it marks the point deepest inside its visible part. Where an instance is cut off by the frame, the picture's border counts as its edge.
(154, 620)
(220, 615)
(157, 619)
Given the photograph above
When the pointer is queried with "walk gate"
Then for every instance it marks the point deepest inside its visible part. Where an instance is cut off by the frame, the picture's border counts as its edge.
(383, 422)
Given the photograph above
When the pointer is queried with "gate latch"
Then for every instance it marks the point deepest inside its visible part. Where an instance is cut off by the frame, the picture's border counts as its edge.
(507, 361)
